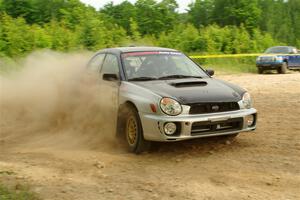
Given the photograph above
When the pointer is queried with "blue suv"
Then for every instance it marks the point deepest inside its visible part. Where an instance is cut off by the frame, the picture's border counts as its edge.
(280, 58)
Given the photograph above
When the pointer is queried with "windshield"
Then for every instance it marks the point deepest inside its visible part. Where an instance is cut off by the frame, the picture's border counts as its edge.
(160, 65)
(285, 50)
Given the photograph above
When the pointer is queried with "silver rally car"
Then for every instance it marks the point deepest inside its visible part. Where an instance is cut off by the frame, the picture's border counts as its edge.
(164, 96)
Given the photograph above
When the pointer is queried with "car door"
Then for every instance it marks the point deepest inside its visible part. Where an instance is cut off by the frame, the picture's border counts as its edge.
(298, 59)
(293, 58)
(110, 86)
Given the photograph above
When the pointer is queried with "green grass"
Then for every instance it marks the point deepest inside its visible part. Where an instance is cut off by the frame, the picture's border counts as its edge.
(19, 193)
(229, 65)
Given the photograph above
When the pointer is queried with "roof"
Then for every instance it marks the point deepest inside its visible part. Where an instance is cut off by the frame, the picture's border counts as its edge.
(135, 49)
(283, 46)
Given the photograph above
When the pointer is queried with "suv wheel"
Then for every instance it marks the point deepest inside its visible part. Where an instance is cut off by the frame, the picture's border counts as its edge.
(260, 70)
(283, 68)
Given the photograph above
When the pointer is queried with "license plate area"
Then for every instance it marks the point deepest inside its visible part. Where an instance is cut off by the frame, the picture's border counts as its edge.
(266, 65)
(211, 127)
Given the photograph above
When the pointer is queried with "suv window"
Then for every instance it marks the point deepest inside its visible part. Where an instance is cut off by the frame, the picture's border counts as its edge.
(110, 65)
(294, 51)
(96, 63)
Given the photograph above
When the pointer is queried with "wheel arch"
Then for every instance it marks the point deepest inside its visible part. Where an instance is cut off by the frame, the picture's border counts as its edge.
(141, 144)
(127, 104)
(120, 119)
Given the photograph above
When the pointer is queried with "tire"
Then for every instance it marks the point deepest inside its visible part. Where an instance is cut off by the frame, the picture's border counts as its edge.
(260, 70)
(134, 131)
(283, 68)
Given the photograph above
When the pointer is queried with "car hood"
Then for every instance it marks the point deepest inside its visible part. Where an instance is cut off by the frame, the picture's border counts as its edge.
(189, 91)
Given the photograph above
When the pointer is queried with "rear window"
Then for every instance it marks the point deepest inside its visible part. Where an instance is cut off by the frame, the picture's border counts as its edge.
(275, 50)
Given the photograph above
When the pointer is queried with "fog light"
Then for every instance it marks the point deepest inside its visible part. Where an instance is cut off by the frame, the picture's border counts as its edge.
(170, 128)
(250, 120)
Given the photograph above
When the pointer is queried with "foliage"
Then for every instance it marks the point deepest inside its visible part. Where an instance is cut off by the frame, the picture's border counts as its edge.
(209, 26)
(280, 18)
(214, 39)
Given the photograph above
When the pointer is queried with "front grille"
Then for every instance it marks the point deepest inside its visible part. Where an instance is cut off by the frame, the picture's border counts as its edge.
(207, 127)
(267, 59)
(202, 108)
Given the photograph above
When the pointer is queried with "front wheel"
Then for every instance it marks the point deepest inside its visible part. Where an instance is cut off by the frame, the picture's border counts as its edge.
(283, 68)
(134, 132)
(260, 70)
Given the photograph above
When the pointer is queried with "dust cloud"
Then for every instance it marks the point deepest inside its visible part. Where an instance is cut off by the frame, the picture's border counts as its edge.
(54, 102)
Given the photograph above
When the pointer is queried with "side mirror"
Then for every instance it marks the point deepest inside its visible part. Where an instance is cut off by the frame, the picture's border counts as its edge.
(210, 72)
(110, 77)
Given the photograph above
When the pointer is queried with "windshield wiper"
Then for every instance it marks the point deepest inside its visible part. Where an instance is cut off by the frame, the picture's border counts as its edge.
(143, 78)
(177, 76)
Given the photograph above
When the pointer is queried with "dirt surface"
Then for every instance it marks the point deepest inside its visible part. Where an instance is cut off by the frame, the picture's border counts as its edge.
(263, 164)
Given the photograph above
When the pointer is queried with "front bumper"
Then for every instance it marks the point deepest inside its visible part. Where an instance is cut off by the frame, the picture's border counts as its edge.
(268, 65)
(153, 125)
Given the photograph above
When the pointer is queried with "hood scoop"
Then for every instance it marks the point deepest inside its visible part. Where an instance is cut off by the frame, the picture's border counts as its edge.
(189, 84)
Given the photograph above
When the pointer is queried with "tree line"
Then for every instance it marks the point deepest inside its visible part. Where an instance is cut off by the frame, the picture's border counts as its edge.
(208, 26)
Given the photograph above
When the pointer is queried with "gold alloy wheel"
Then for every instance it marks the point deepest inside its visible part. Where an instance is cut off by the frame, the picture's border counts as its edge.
(132, 130)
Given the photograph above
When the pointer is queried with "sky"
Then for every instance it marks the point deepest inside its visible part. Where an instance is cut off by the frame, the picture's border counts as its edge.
(183, 4)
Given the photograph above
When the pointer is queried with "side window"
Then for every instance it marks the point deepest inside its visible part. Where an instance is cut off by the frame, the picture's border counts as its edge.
(110, 65)
(295, 51)
(96, 63)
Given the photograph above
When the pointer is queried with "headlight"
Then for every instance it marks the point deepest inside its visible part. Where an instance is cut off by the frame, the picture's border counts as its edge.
(247, 100)
(258, 59)
(278, 58)
(170, 106)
